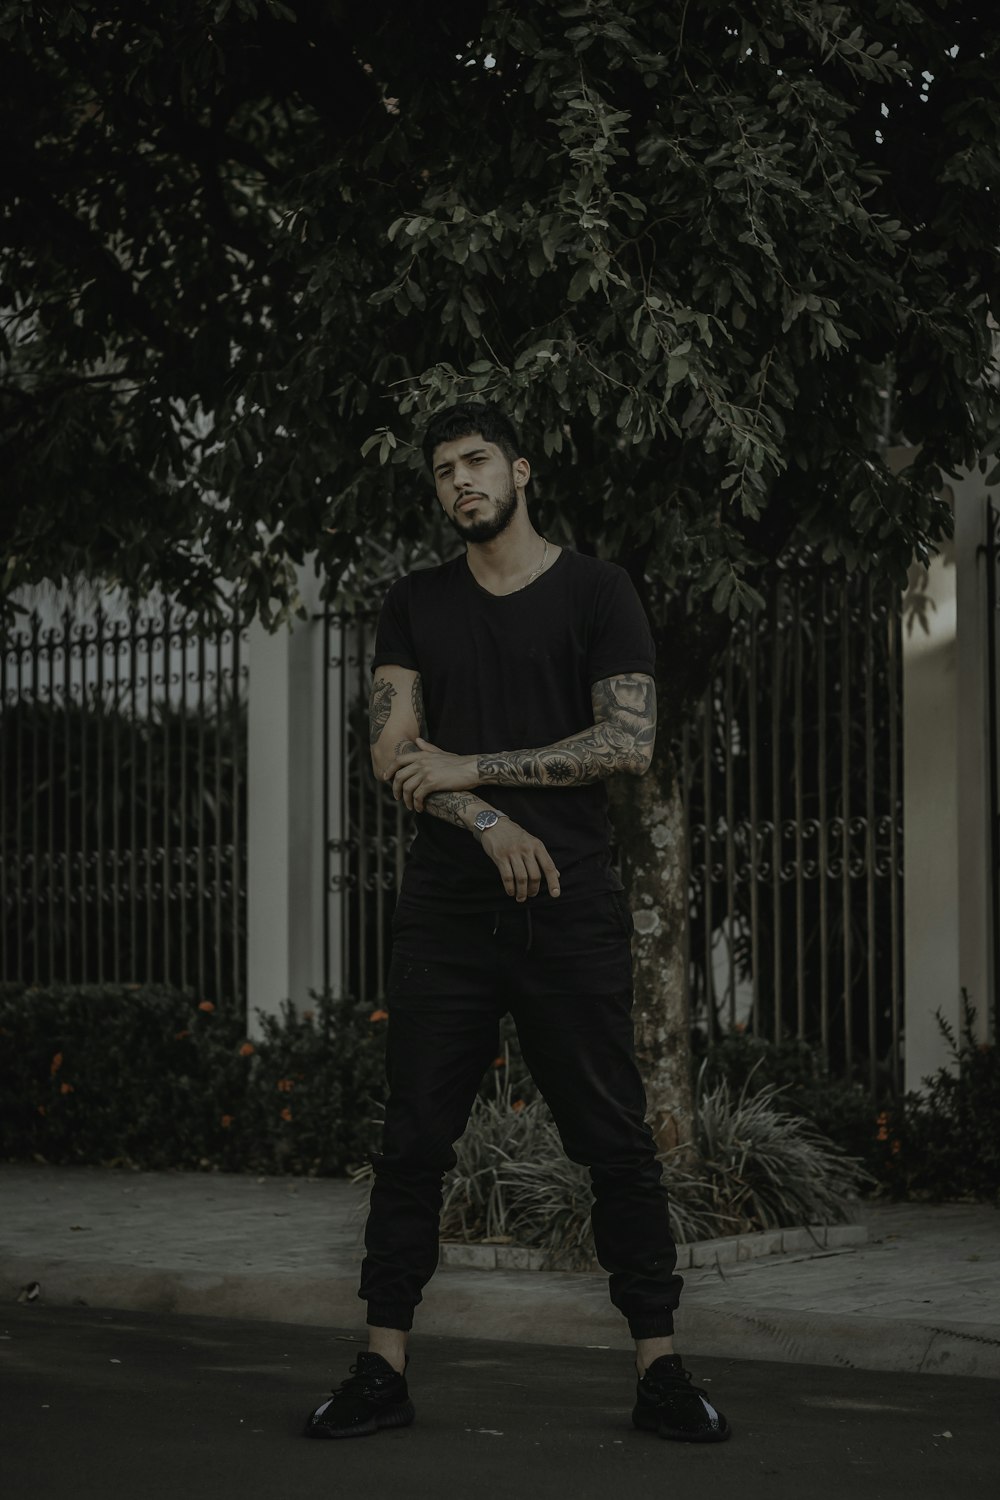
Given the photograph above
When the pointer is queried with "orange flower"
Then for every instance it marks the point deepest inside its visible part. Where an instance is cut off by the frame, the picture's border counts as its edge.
(286, 1113)
(56, 1064)
(518, 1105)
(205, 1005)
(883, 1127)
(66, 1088)
(42, 1110)
(227, 1120)
(307, 1015)
(379, 1015)
(180, 1035)
(498, 1062)
(895, 1148)
(246, 1049)
(285, 1085)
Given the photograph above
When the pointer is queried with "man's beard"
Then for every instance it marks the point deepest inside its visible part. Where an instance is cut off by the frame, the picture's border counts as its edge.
(486, 530)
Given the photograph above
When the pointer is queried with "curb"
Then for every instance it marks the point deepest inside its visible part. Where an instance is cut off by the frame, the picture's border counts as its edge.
(548, 1307)
(727, 1251)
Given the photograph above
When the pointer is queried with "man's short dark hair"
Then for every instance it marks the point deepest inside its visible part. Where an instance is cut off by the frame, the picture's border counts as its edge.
(466, 418)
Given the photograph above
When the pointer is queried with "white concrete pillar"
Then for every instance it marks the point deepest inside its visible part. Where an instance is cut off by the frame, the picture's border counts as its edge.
(947, 880)
(930, 813)
(975, 894)
(285, 771)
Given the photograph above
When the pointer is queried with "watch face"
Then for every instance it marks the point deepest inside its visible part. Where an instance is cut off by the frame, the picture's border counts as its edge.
(486, 820)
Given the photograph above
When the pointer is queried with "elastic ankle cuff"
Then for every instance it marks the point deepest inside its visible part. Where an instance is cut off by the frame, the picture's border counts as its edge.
(653, 1326)
(390, 1315)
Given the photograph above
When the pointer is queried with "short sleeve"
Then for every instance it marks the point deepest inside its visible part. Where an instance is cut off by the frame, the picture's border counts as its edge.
(620, 637)
(393, 636)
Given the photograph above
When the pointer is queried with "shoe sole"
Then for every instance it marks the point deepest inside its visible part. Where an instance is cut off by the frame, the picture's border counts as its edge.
(394, 1416)
(676, 1434)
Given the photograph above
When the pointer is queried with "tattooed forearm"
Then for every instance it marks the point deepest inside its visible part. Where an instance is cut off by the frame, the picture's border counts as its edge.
(620, 739)
(454, 807)
(588, 756)
(379, 708)
(417, 702)
(459, 808)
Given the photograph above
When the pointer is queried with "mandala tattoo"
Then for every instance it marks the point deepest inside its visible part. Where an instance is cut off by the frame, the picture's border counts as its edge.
(559, 770)
(379, 708)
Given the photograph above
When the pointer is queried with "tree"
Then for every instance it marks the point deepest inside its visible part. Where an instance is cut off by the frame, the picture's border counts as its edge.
(711, 257)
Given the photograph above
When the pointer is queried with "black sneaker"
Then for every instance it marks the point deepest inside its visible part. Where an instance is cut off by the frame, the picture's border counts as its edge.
(374, 1395)
(667, 1403)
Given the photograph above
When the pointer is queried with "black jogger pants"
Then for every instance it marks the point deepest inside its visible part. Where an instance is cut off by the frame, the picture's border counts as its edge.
(564, 974)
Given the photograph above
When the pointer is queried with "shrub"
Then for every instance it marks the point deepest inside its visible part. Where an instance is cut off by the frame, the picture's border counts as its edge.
(945, 1143)
(152, 1077)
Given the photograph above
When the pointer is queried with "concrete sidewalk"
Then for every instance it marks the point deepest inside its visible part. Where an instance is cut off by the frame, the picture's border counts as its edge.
(922, 1295)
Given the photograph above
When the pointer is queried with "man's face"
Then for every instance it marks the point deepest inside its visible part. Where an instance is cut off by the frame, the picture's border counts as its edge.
(477, 486)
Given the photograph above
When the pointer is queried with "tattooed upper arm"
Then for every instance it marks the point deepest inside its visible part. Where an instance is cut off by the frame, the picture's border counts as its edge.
(395, 711)
(379, 708)
(417, 704)
(628, 701)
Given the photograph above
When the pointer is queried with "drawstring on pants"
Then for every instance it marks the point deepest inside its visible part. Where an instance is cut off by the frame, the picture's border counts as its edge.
(531, 932)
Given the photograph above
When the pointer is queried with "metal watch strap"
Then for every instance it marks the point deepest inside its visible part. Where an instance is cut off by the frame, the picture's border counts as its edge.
(488, 818)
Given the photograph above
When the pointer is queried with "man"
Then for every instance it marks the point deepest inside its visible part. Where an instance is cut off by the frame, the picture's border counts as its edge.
(509, 903)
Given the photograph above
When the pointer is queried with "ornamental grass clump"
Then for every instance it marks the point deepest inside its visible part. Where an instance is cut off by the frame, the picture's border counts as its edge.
(764, 1168)
(759, 1169)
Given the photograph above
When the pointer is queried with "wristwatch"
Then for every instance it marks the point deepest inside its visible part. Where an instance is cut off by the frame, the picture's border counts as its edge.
(487, 818)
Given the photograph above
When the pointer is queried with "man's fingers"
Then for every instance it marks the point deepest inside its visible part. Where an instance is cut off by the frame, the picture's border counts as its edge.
(549, 871)
(520, 877)
(406, 783)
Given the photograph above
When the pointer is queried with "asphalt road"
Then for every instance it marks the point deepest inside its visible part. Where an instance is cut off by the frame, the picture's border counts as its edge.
(101, 1405)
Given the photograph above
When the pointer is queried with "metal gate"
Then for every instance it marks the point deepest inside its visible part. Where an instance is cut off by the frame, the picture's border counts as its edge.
(793, 787)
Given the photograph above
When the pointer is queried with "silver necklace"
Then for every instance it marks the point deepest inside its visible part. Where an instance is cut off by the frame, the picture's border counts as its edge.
(532, 576)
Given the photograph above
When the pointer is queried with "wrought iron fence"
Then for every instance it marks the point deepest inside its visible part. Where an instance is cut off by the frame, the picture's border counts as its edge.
(367, 833)
(793, 791)
(123, 814)
(792, 785)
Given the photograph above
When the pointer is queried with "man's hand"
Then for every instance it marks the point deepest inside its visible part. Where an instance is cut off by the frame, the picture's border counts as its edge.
(416, 774)
(523, 860)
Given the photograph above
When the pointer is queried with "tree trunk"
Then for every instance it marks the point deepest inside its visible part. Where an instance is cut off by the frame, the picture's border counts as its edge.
(648, 815)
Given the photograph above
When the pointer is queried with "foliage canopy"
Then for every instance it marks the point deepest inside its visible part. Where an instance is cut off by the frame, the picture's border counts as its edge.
(712, 259)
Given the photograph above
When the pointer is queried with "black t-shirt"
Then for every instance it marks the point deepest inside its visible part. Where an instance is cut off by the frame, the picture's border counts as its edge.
(513, 672)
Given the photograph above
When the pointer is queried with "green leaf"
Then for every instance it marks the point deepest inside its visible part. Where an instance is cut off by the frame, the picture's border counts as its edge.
(677, 368)
(580, 284)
